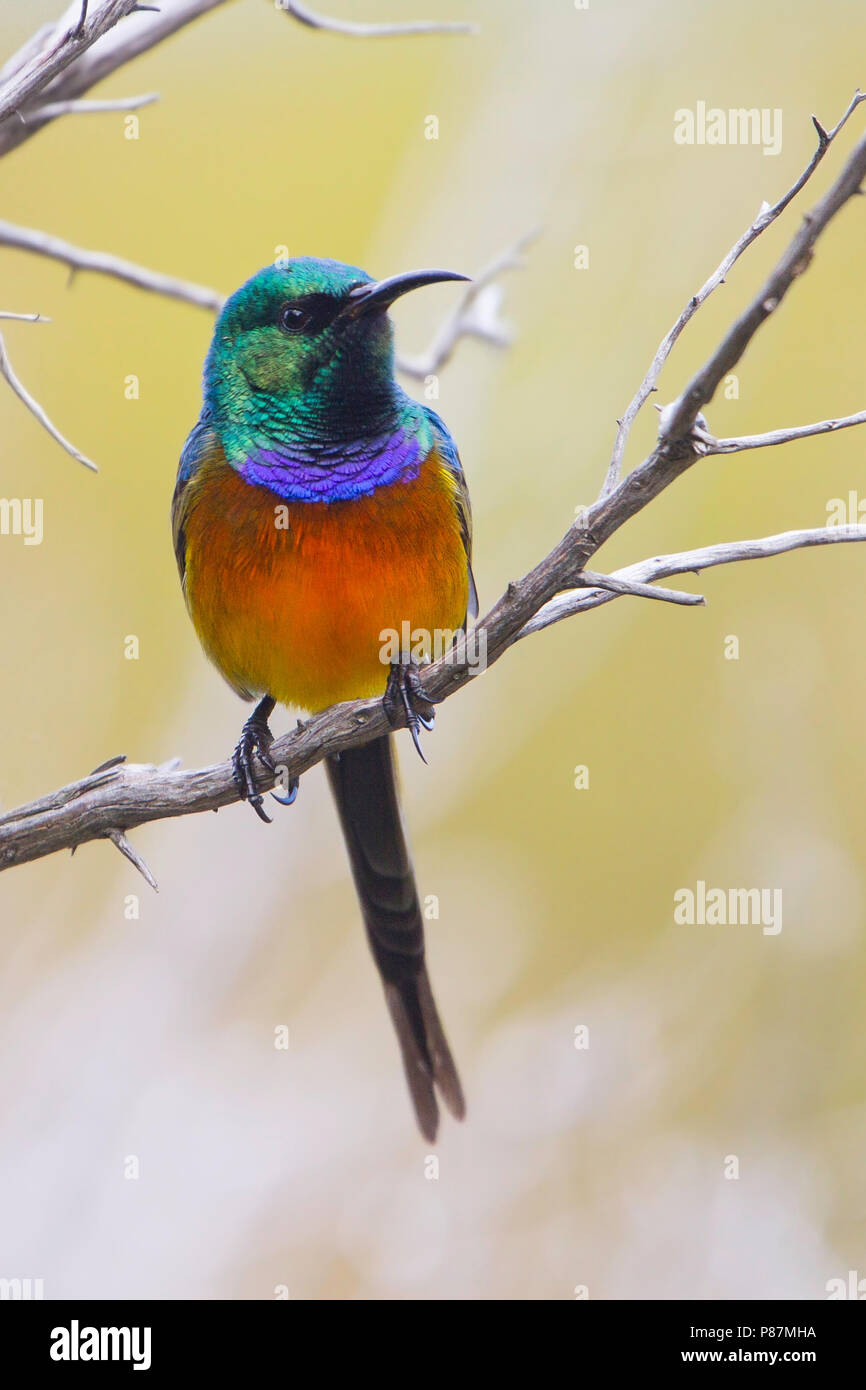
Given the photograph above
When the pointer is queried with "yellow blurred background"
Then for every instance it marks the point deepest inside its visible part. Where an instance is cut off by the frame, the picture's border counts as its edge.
(606, 1167)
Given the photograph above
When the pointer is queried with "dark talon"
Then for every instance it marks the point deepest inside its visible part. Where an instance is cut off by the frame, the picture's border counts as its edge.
(256, 738)
(406, 704)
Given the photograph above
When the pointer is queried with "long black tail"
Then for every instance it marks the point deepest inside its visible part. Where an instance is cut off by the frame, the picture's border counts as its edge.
(365, 789)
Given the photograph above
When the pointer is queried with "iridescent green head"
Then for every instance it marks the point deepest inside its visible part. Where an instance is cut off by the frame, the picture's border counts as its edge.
(304, 350)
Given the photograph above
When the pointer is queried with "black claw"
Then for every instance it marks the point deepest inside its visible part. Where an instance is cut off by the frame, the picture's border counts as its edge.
(256, 803)
(413, 729)
(256, 738)
(405, 703)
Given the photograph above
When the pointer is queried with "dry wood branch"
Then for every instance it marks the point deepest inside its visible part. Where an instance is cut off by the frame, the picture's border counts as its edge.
(619, 585)
(784, 436)
(54, 49)
(645, 572)
(62, 61)
(115, 267)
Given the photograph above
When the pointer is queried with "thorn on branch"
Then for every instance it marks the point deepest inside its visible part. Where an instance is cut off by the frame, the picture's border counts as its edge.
(109, 762)
(118, 838)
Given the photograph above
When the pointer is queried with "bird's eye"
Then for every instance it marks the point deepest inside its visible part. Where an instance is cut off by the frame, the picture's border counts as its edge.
(294, 318)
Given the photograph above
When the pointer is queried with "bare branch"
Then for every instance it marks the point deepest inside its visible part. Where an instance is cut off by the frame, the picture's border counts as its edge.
(786, 436)
(765, 217)
(103, 263)
(62, 61)
(372, 31)
(619, 585)
(61, 47)
(33, 405)
(643, 573)
(53, 109)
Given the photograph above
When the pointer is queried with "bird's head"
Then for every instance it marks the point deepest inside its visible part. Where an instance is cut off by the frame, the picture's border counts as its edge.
(307, 345)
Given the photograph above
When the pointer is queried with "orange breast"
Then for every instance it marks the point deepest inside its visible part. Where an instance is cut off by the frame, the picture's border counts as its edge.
(296, 600)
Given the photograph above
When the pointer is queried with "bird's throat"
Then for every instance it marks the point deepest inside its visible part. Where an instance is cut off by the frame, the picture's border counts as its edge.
(310, 461)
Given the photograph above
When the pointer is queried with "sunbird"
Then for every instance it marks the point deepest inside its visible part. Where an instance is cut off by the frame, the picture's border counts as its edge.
(319, 508)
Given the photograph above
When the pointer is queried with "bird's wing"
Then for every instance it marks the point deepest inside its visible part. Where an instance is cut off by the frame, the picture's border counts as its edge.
(202, 443)
(447, 451)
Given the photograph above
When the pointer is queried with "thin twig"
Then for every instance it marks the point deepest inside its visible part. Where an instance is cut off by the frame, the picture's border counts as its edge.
(53, 109)
(765, 217)
(357, 30)
(36, 409)
(574, 601)
(618, 585)
(784, 436)
(104, 263)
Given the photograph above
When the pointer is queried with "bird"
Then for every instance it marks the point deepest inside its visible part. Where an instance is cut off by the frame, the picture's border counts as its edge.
(319, 506)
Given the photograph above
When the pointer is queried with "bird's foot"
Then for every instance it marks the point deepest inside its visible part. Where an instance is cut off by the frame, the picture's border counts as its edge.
(255, 740)
(406, 704)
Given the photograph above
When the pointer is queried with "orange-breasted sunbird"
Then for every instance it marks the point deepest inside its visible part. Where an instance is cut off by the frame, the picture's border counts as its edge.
(319, 510)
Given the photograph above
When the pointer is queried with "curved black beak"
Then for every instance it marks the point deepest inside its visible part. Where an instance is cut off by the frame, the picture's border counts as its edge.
(378, 295)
